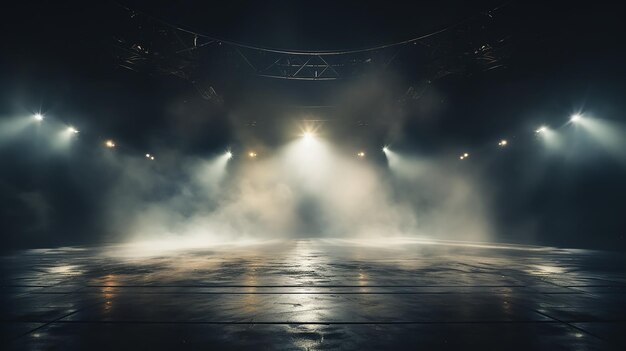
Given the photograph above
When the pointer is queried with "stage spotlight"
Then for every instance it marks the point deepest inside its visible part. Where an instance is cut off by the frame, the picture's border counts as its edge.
(503, 143)
(229, 155)
(385, 149)
(252, 154)
(38, 117)
(109, 143)
(72, 130)
(150, 157)
(466, 155)
(147, 155)
(361, 154)
(308, 136)
(461, 157)
(541, 129)
(575, 118)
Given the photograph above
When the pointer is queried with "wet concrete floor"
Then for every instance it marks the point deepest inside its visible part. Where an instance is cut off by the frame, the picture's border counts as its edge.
(314, 295)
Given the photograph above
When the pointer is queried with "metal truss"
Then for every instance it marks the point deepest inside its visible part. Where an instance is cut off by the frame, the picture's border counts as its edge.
(159, 47)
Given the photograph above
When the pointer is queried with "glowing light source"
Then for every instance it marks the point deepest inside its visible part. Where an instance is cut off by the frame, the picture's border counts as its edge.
(308, 136)
(150, 157)
(385, 149)
(464, 156)
(503, 142)
(229, 154)
(361, 154)
(252, 154)
(72, 130)
(38, 117)
(575, 117)
(541, 129)
(109, 143)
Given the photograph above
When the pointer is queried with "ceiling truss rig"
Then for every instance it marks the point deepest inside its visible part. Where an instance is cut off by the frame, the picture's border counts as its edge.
(174, 50)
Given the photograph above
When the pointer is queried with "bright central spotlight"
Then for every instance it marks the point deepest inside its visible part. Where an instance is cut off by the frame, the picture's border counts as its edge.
(150, 157)
(308, 136)
(464, 156)
(575, 117)
(503, 142)
(38, 117)
(541, 129)
(252, 154)
(229, 155)
(385, 149)
(72, 130)
(361, 154)
(109, 143)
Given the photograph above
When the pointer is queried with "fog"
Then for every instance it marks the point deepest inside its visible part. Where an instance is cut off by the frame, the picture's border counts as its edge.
(306, 188)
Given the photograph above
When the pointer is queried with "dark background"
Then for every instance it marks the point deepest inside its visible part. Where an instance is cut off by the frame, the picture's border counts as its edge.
(58, 58)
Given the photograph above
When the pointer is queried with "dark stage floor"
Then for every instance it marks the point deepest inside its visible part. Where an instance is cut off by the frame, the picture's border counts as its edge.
(315, 294)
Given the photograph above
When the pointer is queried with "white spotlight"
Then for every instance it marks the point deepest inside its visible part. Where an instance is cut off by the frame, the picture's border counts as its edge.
(503, 142)
(385, 148)
(109, 143)
(147, 155)
(308, 136)
(72, 130)
(229, 155)
(541, 129)
(466, 155)
(575, 117)
(38, 117)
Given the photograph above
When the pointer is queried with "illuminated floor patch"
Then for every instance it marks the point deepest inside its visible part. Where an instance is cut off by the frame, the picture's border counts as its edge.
(316, 294)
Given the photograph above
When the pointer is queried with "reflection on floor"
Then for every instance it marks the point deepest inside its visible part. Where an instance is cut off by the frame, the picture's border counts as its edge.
(315, 294)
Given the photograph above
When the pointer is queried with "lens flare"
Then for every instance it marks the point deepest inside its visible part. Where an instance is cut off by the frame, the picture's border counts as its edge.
(109, 143)
(38, 117)
(361, 154)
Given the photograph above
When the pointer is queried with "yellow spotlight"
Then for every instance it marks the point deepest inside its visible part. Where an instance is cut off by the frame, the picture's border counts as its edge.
(252, 154)
(109, 143)
(503, 142)
(38, 117)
